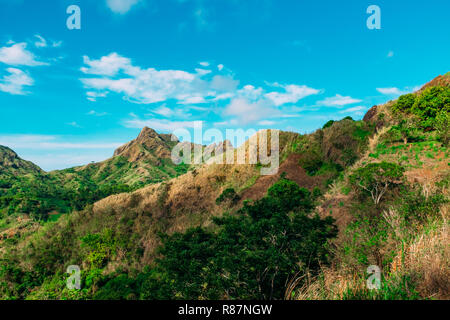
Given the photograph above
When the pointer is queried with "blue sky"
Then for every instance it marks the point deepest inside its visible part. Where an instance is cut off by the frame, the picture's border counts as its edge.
(69, 97)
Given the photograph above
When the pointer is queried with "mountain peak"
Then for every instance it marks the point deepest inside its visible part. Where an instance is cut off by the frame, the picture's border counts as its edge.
(147, 132)
(148, 143)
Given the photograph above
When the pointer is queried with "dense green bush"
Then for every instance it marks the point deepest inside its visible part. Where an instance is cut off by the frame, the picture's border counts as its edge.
(432, 101)
(404, 103)
(425, 106)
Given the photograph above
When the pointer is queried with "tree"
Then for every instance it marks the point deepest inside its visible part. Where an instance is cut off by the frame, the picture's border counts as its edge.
(377, 178)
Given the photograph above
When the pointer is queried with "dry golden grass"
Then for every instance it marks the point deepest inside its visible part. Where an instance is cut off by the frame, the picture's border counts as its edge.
(427, 259)
(330, 285)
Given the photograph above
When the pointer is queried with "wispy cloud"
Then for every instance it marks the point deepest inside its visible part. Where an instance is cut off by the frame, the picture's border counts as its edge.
(15, 82)
(389, 91)
(358, 110)
(338, 101)
(18, 55)
(121, 6)
(97, 114)
(394, 91)
(247, 111)
(292, 94)
(41, 42)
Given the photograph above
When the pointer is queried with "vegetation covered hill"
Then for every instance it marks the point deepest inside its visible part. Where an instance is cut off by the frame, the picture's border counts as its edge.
(26, 189)
(144, 160)
(350, 195)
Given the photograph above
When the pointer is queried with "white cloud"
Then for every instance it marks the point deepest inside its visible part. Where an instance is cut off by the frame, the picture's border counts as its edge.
(224, 83)
(15, 82)
(355, 110)
(41, 43)
(204, 64)
(92, 95)
(220, 67)
(247, 112)
(338, 101)
(108, 65)
(121, 6)
(293, 93)
(250, 92)
(18, 55)
(164, 111)
(57, 44)
(191, 100)
(202, 72)
(393, 91)
(266, 123)
(390, 91)
(224, 96)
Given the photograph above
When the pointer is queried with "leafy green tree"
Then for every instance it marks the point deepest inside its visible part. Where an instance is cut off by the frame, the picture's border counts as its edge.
(290, 195)
(376, 178)
(252, 255)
